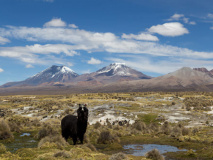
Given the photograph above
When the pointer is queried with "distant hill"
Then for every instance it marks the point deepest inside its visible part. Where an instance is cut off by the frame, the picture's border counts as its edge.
(184, 79)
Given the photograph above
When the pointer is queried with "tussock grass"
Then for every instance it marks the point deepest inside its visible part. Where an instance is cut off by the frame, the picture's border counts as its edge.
(154, 155)
(5, 132)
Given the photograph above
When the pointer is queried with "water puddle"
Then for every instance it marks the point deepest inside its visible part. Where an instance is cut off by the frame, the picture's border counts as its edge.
(142, 149)
(23, 140)
(25, 134)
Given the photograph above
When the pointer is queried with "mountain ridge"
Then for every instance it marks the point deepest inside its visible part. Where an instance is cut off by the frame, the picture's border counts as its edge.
(183, 79)
(55, 75)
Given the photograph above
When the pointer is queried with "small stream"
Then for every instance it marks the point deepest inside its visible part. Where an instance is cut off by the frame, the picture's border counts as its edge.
(142, 149)
(22, 140)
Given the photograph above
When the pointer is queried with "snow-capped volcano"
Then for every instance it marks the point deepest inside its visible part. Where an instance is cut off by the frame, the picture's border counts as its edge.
(112, 73)
(52, 74)
(115, 69)
(56, 71)
(120, 69)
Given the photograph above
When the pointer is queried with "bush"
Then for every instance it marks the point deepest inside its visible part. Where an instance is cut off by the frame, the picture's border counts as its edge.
(57, 139)
(5, 130)
(14, 127)
(166, 128)
(154, 155)
(154, 127)
(186, 131)
(2, 148)
(118, 156)
(176, 131)
(47, 130)
(97, 125)
(106, 138)
(91, 146)
(140, 126)
(62, 154)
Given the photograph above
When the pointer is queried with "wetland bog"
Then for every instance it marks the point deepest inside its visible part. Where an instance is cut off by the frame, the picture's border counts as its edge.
(30, 125)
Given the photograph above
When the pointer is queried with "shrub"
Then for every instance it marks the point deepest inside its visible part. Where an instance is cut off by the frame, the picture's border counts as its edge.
(91, 146)
(140, 126)
(154, 127)
(5, 130)
(186, 131)
(14, 127)
(119, 156)
(62, 154)
(47, 130)
(166, 128)
(57, 139)
(191, 153)
(106, 138)
(176, 131)
(154, 155)
(97, 125)
(2, 148)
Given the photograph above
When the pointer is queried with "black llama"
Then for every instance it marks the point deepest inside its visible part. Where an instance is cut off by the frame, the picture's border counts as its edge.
(75, 126)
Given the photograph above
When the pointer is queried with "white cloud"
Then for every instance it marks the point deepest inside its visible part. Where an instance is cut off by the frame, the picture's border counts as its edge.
(181, 17)
(211, 28)
(141, 36)
(32, 54)
(4, 40)
(94, 61)
(161, 66)
(72, 26)
(76, 39)
(29, 66)
(1, 70)
(210, 15)
(55, 22)
(176, 17)
(169, 29)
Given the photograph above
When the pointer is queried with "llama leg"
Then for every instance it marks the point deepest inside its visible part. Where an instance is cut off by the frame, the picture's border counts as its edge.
(74, 139)
(81, 137)
(65, 136)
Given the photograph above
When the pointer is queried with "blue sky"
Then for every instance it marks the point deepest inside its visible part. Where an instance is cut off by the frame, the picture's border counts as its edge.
(155, 37)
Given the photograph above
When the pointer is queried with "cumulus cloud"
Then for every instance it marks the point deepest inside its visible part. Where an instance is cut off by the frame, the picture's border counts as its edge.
(94, 61)
(169, 29)
(70, 41)
(181, 17)
(1, 70)
(211, 28)
(141, 36)
(4, 40)
(55, 22)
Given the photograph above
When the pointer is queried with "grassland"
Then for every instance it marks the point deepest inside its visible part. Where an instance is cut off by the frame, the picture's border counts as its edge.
(181, 119)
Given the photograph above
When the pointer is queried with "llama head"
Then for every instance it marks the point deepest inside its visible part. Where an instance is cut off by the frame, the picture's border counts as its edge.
(82, 113)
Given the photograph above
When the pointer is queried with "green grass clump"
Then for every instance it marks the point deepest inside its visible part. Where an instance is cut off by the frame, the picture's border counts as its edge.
(148, 118)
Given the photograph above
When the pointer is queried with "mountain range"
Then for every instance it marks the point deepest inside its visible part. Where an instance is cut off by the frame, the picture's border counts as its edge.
(116, 77)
